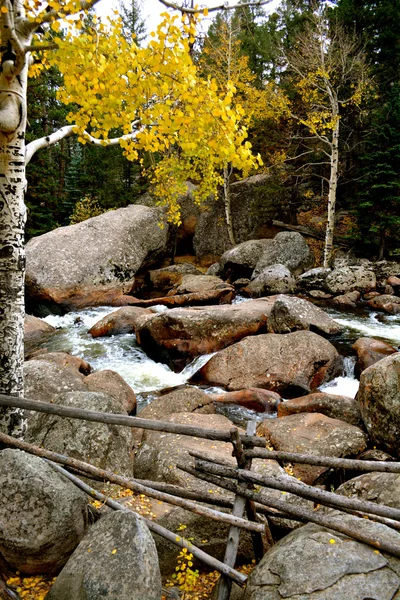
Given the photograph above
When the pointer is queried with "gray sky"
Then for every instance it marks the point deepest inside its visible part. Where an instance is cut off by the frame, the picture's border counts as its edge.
(152, 9)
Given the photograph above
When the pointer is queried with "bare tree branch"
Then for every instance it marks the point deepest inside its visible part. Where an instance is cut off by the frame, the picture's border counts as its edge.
(225, 6)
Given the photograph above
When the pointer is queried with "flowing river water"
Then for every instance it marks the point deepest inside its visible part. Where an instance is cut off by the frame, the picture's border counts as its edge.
(146, 377)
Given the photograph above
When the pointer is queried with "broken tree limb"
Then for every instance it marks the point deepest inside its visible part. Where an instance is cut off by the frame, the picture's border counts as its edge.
(327, 461)
(113, 419)
(298, 488)
(302, 514)
(131, 484)
(306, 231)
(213, 563)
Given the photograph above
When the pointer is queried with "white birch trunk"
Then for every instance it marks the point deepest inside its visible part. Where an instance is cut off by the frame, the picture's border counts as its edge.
(13, 88)
(333, 180)
(227, 203)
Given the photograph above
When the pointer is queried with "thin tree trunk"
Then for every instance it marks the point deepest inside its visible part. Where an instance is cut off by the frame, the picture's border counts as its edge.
(12, 223)
(227, 204)
(330, 226)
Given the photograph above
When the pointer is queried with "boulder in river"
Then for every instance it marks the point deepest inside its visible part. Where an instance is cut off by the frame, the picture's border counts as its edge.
(349, 279)
(315, 563)
(65, 360)
(117, 560)
(199, 284)
(121, 321)
(43, 516)
(348, 300)
(240, 261)
(314, 434)
(276, 279)
(255, 399)
(181, 334)
(291, 364)
(288, 248)
(291, 314)
(167, 277)
(314, 279)
(44, 381)
(379, 399)
(330, 405)
(36, 332)
(370, 351)
(93, 262)
(386, 303)
(111, 384)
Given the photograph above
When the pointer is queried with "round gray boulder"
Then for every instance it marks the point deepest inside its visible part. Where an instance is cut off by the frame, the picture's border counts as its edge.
(116, 560)
(288, 248)
(42, 515)
(276, 279)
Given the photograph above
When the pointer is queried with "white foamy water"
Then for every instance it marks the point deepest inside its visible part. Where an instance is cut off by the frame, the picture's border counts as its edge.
(120, 353)
(373, 325)
(345, 385)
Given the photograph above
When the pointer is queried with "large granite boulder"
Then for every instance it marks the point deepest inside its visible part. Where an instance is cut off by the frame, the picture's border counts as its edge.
(104, 446)
(116, 560)
(288, 248)
(113, 385)
(336, 407)
(315, 563)
(44, 381)
(181, 334)
(276, 279)
(314, 279)
(387, 303)
(64, 360)
(167, 277)
(382, 488)
(43, 516)
(370, 351)
(36, 332)
(292, 314)
(93, 262)
(291, 365)
(121, 321)
(349, 279)
(379, 399)
(314, 433)
(240, 261)
(254, 205)
(191, 284)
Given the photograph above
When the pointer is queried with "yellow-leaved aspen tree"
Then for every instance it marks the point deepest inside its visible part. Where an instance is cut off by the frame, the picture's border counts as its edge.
(330, 74)
(152, 94)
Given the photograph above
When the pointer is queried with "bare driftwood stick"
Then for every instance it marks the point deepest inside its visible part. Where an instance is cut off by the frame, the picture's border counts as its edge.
(113, 419)
(327, 461)
(156, 528)
(303, 514)
(131, 484)
(225, 584)
(301, 489)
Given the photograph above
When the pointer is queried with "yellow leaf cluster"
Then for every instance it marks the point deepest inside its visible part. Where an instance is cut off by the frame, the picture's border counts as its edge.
(156, 98)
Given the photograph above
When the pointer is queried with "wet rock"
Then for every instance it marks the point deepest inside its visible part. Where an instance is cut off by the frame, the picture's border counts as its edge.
(65, 360)
(370, 295)
(313, 433)
(45, 381)
(104, 446)
(369, 352)
(319, 294)
(181, 334)
(276, 279)
(168, 277)
(130, 238)
(314, 279)
(116, 560)
(394, 282)
(113, 385)
(36, 332)
(241, 260)
(379, 399)
(330, 405)
(255, 399)
(198, 284)
(315, 563)
(42, 515)
(289, 249)
(290, 364)
(349, 279)
(348, 300)
(121, 321)
(387, 303)
(292, 314)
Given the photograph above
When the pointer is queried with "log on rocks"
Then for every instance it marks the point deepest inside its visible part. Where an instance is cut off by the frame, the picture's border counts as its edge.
(307, 232)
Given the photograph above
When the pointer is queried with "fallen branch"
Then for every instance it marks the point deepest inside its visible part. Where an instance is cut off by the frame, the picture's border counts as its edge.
(131, 484)
(113, 419)
(303, 514)
(339, 240)
(298, 488)
(327, 461)
(213, 563)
